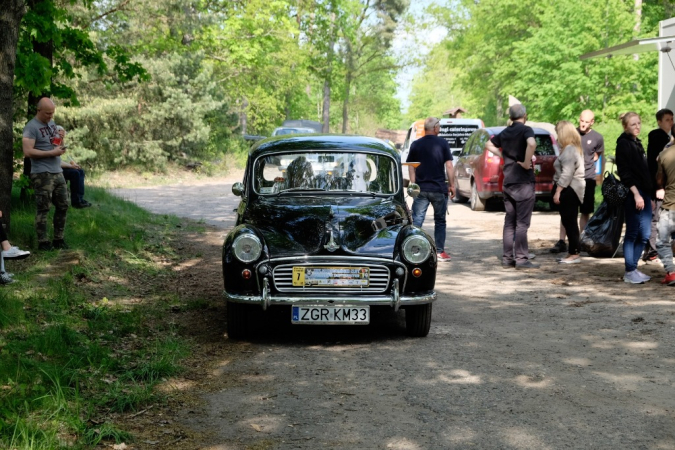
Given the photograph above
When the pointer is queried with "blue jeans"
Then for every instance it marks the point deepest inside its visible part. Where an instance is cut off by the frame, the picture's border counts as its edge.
(76, 179)
(638, 230)
(439, 202)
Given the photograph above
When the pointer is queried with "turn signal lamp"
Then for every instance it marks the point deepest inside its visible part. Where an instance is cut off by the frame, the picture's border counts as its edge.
(417, 272)
(246, 274)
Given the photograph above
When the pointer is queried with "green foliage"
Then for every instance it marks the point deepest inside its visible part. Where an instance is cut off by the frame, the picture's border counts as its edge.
(531, 50)
(147, 124)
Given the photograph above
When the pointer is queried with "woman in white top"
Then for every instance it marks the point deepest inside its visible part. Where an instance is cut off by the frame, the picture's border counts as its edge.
(569, 185)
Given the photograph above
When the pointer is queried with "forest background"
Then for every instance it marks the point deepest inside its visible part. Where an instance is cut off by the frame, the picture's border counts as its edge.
(149, 83)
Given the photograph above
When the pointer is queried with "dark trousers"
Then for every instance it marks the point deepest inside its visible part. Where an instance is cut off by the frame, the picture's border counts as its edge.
(76, 179)
(519, 203)
(638, 230)
(569, 210)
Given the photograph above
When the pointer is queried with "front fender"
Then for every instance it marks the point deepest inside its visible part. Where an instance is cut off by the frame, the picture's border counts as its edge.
(426, 282)
(234, 282)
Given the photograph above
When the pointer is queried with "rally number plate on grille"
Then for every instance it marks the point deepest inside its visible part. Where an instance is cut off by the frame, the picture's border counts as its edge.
(331, 276)
(323, 315)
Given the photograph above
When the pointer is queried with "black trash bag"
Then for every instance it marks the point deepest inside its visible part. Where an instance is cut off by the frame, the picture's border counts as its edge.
(602, 234)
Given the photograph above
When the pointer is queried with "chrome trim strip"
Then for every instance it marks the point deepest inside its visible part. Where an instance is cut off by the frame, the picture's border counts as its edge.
(395, 296)
(384, 300)
(334, 257)
(380, 276)
(265, 294)
(346, 260)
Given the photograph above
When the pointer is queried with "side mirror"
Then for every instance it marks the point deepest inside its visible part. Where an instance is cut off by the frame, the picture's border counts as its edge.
(238, 188)
(413, 190)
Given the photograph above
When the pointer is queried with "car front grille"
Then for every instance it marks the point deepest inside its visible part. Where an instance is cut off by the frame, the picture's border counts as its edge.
(379, 279)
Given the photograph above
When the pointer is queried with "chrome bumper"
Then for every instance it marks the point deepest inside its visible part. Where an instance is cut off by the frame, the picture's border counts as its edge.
(395, 300)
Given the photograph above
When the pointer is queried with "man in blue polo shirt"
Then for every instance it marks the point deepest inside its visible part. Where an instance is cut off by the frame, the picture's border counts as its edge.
(433, 154)
(516, 145)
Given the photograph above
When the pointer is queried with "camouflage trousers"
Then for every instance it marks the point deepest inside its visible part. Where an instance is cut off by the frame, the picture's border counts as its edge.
(50, 188)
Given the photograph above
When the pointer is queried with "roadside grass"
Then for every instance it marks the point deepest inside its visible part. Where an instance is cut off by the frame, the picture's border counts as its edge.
(79, 341)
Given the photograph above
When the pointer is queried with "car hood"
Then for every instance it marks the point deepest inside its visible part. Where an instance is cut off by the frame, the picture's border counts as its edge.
(326, 225)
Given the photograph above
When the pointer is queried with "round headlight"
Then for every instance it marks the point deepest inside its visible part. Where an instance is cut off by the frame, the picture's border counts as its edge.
(416, 249)
(247, 248)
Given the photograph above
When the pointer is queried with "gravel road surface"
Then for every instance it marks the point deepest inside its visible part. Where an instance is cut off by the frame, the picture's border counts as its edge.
(557, 358)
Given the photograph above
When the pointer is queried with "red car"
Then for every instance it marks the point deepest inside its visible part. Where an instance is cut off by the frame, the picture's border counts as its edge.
(479, 174)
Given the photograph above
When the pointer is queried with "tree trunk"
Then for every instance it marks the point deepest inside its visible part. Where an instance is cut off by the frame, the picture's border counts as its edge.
(345, 103)
(243, 116)
(46, 50)
(638, 23)
(326, 106)
(10, 19)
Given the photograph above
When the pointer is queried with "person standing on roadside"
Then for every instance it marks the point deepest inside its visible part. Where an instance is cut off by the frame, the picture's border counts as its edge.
(593, 145)
(516, 145)
(42, 144)
(631, 165)
(569, 185)
(665, 185)
(656, 142)
(433, 154)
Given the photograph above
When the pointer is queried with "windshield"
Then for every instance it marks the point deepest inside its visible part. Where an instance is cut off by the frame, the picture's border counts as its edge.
(327, 172)
(544, 145)
(282, 131)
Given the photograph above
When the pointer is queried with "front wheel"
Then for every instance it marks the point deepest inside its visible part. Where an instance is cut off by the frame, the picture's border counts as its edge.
(477, 204)
(418, 320)
(237, 320)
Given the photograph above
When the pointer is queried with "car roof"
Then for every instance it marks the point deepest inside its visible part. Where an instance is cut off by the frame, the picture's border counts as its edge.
(321, 142)
(461, 121)
(497, 130)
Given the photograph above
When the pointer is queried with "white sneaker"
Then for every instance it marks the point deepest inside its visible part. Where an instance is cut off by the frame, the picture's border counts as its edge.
(645, 277)
(633, 277)
(15, 253)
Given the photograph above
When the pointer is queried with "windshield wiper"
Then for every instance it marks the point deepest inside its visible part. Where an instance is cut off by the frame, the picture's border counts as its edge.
(302, 189)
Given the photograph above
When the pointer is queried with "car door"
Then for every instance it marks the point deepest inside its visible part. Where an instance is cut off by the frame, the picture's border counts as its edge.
(462, 170)
(474, 158)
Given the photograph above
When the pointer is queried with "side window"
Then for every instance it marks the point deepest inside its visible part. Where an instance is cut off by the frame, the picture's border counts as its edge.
(482, 142)
(406, 144)
(466, 150)
(475, 144)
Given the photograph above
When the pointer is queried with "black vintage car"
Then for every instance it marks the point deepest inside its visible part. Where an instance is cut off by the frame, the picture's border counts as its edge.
(323, 227)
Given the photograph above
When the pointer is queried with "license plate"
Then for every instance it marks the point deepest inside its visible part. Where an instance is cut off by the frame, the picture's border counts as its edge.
(331, 276)
(324, 315)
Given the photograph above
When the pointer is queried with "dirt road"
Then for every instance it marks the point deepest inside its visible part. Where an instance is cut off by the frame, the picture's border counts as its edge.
(562, 357)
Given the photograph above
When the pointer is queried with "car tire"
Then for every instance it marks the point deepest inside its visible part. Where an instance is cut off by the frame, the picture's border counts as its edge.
(237, 320)
(418, 320)
(458, 198)
(477, 204)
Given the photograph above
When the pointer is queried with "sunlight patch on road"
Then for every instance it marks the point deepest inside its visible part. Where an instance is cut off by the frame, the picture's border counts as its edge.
(578, 361)
(532, 382)
(402, 444)
(458, 377)
(221, 369)
(175, 384)
(519, 437)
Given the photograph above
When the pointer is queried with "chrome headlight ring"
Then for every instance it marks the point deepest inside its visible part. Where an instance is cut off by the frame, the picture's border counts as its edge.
(247, 247)
(416, 249)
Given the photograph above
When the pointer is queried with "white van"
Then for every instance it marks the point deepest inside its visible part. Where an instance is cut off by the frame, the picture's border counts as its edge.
(455, 131)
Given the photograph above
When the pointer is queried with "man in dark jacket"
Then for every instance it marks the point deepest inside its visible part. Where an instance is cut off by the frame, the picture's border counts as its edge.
(656, 141)
(516, 145)
(433, 154)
